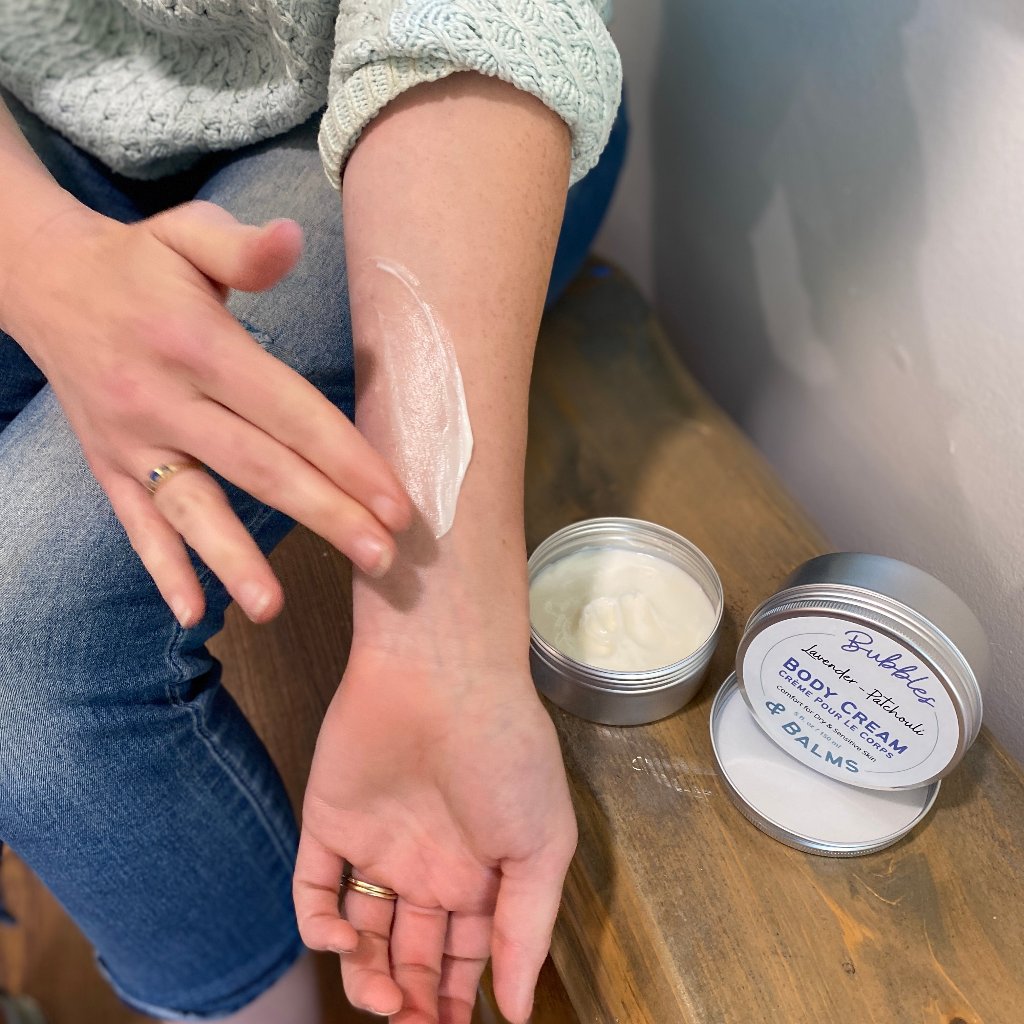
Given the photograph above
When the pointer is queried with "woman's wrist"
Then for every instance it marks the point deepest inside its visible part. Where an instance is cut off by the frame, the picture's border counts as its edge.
(458, 601)
(37, 241)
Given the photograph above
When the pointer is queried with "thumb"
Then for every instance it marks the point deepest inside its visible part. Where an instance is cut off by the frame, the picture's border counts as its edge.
(230, 253)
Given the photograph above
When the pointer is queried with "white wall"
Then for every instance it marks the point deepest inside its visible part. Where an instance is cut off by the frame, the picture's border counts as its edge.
(825, 200)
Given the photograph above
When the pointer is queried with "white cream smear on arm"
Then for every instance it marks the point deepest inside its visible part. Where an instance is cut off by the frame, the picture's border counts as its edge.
(429, 438)
(620, 609)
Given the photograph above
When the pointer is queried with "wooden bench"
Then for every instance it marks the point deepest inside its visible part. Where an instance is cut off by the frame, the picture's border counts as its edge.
(676, 910)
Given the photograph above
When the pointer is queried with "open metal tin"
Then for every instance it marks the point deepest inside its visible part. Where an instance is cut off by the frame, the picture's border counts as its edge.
(619, 697)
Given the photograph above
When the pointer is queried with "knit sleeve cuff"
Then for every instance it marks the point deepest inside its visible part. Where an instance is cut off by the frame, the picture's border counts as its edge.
(558, 50)
(361, 98)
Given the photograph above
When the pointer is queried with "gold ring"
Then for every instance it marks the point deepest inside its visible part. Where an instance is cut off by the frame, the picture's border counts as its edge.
(161, 474)
(382, 892)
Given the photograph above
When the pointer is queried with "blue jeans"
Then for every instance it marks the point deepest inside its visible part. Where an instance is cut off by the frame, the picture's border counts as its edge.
(130, 781)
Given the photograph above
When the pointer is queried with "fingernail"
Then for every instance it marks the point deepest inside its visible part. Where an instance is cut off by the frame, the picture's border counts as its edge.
(183, 613)
(389, 512)
(373, 556)
(254, 599)
(370, 1009)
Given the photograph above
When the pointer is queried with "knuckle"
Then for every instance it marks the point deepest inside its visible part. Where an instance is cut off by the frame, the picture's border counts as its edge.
(510, 943)
(418, 969)
(303, 432)
(561, 851)
(339, 513)
(154, 330)
(210, 214)
(307, 929)
(260, 471)
(186, 503)
(180, 345)
(194, 210)
(570, 841)
(202, 207)
(175, 340)
(127, 393)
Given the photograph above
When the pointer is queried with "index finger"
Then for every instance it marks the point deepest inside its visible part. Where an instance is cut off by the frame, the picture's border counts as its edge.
(272, 396)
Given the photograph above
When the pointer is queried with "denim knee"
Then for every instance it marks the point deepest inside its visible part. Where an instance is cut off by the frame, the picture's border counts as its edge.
(129, 780)
(78, 613)
(76, 604)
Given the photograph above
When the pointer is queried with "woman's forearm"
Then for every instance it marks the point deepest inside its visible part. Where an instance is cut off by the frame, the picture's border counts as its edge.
(29, 200)
(463, 183)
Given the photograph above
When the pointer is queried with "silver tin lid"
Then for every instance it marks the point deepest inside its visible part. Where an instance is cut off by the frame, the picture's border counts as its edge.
(866, 669)
(804, 809)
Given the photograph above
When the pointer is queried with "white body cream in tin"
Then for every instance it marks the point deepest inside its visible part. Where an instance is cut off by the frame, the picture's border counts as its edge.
(624, 617)
(620, 609)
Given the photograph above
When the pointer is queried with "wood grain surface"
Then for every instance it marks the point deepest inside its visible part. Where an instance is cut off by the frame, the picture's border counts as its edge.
(677, 911)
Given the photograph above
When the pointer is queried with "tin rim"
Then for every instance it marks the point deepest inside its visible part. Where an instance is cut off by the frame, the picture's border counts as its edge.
(899, 622)
(659, 541)
(776, 829)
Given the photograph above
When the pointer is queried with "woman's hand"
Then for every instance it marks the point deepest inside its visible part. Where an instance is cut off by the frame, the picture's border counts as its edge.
(437, 770)
(128, 324)
(449, 789)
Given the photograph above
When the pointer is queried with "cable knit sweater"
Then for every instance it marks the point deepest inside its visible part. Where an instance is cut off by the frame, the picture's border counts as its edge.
(149, 85)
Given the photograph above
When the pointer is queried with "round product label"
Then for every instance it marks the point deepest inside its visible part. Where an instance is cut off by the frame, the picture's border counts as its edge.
(850, 702)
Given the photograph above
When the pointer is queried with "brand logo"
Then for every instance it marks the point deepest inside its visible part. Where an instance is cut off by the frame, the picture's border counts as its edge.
(863, 642)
